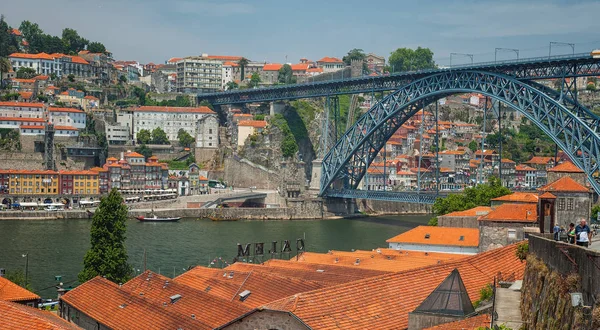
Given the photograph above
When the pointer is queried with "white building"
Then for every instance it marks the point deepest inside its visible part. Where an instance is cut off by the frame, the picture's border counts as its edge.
(117, 134)
(437, 239)
(249, 127)
(172, 119)
(66, 131)
(330, 64)
(42, 63)
(67, 117)
(199, 74)
(227, 73)
(21, 110)
(32, 129)
(16, 123)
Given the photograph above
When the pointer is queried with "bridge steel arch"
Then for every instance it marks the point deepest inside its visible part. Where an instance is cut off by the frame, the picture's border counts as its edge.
(345, 164)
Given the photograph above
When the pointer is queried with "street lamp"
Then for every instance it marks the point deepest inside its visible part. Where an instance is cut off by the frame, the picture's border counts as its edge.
(26, 255)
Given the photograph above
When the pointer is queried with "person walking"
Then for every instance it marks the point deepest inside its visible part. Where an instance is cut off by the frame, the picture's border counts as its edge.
(556, 231)
(571, 234)
(583, 233)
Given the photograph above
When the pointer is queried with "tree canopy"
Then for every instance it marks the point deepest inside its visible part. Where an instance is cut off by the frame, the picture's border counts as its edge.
(185, 139)
(285, 75)
(231, 85)
(73, 41)
(254, 80)
(107, 255)
(406, 59)
(159, 136)
(8, 42)
(354, 54)
(471, 197)
(26, 73)
(243, 62)
(144, 136)
(96, 47)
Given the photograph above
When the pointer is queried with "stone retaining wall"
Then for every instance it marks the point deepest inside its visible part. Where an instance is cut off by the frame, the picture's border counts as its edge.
(384, 207)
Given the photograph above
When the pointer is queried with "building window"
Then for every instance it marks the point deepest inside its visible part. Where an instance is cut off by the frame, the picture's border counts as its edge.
(569, 204)
(512, 234)
(561, 204)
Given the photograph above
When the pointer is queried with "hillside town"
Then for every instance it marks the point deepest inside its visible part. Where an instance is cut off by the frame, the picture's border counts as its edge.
(146, 202)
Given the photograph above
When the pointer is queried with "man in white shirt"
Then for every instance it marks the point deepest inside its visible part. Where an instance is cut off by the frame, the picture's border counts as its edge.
(583, 233)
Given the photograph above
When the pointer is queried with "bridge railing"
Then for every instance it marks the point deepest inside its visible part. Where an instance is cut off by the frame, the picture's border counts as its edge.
(391, 196)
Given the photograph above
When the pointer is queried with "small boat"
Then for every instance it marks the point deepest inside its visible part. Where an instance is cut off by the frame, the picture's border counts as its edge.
(155, 218)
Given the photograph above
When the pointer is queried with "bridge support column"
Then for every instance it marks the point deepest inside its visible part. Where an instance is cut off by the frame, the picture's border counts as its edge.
(340, 206)
(276, 107)
(315, 178)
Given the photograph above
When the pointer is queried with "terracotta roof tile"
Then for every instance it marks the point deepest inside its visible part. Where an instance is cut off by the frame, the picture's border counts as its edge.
(208, 309)
(539, 160)
(9, 291)
(16, 32)
(264, 288)
(224, 57)
(366, 304)
(253, 123)
(327, 59)
(518, 197)
(566, 167)
(272, 67)
(547, 195)
(565, 184)
(122, 310)
(522, 167)
(65, 110)
(512, 213)
(21, 104)
(18, 316)
(331, 268)
(65, 128)
(472, 323)
(26, 95)
(32, 127)
(300, 67)
(134, 154)
(476, 211)
(434, 235)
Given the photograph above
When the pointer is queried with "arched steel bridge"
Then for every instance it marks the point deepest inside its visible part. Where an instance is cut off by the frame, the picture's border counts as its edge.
(558, 114)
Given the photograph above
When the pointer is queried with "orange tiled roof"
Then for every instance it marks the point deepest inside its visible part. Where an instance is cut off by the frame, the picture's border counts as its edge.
(9, 291)
(547, 195)
(522, 167)
(509, 161)
(42, 56)
(264, 288)
(565, 184)
(512, 213)
(26, 95)
(146, 108)
(23, 81)
(21, 104)
(121, 309)
(237, 115)
(66, 128)
(518, 197)
(208, 309)
(32, 127)
(73, 110)
(315, 70)
(90, 97)
(78, 60)
(16, 32)
(300, 67)
(566, 167)
(365, 304)
(272, 67)
(134, 154)
(253, 123)
(111, 159)
(539, 160)
(230, 64)
(18, 316)
(433, 235)
(174, 59)
(472, 323)
(476, 211)
(329, 267)
(30, 120)
(41, 77)
(327, 59)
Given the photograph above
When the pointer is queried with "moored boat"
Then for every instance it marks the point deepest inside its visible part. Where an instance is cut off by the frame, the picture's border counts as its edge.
(155, 218)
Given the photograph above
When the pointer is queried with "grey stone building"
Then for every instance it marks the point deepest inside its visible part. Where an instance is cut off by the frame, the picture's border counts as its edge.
(573, 201)
(507, 224)
(567, 169)
(464, 219)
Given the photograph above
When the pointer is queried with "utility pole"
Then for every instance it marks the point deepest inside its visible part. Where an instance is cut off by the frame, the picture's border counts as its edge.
(437, 150)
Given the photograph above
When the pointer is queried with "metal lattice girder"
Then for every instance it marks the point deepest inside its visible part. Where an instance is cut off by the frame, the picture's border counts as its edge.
(390, 196)
(525, 69)
(368, 135)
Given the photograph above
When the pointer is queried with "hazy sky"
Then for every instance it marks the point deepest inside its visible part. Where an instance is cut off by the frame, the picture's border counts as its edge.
(269, 30)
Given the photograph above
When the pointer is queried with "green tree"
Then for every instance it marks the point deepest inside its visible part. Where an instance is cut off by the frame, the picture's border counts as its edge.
(144, 136)
(285, 75)
(159, 136)
(26, 73)
(473, 145)
(231, 85)
(96, 47)
(107, 255)
(591, 87)
(205, 103)
(354, 54)
(51, 44)
(144, 150)
(72, 41)
(185, 139)
(71, 77)
(8, 42)
(34, 35)
(243, 62)
(123, 79)
(289, 146)
(471, 197)
(406, 59)
(5, 66)
(254, 80)
(17, 276)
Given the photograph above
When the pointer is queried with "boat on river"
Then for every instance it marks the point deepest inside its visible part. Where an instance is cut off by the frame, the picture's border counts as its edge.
(155, 218)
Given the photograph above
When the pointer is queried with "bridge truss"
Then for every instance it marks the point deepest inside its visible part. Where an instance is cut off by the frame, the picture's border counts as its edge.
(571, 126)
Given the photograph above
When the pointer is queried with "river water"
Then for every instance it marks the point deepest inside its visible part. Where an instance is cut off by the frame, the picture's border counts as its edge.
(57, 247)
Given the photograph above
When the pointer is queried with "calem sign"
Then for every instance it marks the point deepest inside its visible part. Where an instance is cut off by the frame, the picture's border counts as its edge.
(259, 248)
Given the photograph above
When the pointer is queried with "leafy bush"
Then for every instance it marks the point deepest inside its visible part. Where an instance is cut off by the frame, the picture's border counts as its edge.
(522, 251)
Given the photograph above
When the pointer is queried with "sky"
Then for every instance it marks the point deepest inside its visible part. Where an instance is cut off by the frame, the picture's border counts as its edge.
(284, 31)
